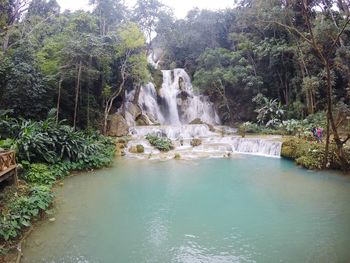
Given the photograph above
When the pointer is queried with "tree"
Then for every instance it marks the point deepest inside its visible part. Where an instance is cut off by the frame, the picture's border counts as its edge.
(109, 12)
(131, 56)
(324, 37)
(228, 78)
(146, 15)
(25, 89)
(11, 13)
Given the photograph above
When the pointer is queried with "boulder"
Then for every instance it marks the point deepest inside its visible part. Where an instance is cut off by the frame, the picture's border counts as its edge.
(134, 110)
(143, 120)
(211, 127)
(196, 142)
(177, 156)
(117, 126)
(133, 149)
(137, 149)
(196, 121)
(140, 148)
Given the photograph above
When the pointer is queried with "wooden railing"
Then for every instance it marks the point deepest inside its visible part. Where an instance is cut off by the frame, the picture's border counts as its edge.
(8, 167)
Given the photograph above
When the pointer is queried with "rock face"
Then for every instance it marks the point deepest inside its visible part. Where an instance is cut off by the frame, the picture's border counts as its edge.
(134, 110)
(143, 120)
(117, 126)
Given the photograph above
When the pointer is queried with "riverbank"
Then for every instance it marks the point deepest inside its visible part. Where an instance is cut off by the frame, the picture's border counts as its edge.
(310, 154)
(32, 201)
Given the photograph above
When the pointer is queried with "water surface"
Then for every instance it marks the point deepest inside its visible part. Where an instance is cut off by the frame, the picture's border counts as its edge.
(246, 209)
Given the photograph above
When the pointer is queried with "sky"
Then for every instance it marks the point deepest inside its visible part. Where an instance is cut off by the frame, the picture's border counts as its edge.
(180, 7)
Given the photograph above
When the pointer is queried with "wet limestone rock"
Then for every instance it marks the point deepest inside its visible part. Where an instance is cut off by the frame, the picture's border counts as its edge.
(137, 149)
(140, 148)
(199, 121)
(143, 120)
(133, 149)
(134, 110)
(117, 126)
(196, 142)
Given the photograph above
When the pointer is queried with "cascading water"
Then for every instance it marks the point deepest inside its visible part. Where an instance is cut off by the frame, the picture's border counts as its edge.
(175, 102)
(173, 107)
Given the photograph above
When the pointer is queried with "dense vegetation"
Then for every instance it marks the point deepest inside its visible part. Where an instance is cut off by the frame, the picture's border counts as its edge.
(47, 151)
(161, 143)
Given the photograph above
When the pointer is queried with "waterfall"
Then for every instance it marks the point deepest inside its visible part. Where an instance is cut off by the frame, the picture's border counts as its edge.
(149, 104)
(174, 103)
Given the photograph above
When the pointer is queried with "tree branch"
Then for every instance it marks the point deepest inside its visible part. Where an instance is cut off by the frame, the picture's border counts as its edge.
(340, 33)
(290, 30)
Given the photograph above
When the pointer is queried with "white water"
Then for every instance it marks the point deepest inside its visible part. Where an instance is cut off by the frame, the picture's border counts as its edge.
(174, 106)
(175, 103)
(214, 144)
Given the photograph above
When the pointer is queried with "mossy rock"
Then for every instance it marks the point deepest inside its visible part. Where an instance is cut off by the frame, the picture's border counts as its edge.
(196, 121)
(140, 148)
(133, 149)
(177, 156)
(196, 142)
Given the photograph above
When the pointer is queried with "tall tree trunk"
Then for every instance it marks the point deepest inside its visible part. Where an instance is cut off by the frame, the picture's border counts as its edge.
(338, 142)
(124, 104)
(6, 41)
(77, 88)
(58, 99)
(137, 94)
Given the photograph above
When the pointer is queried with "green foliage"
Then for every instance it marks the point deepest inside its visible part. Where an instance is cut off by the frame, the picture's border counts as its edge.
(22, 209)
(227, 78)
(39, 173)
(310, 154)
(270, 111)
(162, 144)
(51, 142)
(302, 128)
(24, 84)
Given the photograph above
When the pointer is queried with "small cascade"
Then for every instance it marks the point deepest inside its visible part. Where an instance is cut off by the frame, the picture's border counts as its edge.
(213, 144)
(257, 146)
(173, 132)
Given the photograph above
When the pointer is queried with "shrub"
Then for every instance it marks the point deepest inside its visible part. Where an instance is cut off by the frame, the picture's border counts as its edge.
(22, 209)
(249, 127)
(49, 142)
(39, 173)
(162, 144)
(310, 154)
